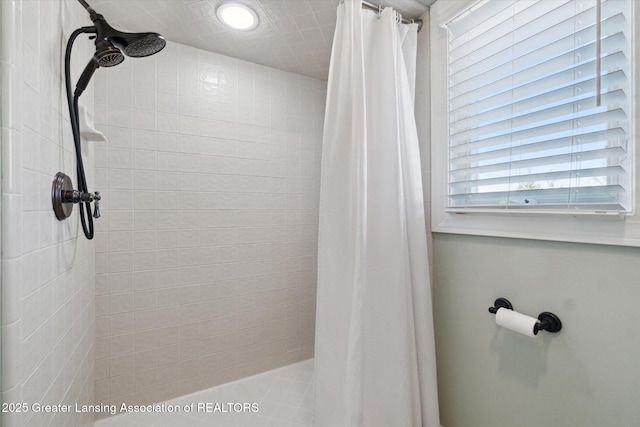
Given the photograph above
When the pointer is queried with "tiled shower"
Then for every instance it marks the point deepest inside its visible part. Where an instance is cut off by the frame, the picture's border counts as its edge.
(48, 279)
(206, 252)
(202, 270)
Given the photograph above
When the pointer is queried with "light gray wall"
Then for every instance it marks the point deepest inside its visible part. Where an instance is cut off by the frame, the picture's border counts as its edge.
(587, 375)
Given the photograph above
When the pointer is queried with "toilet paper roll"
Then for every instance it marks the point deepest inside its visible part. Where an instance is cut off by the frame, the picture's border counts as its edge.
(516, 321)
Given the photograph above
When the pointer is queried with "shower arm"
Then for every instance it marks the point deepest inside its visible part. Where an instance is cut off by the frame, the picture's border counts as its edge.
(87, 6)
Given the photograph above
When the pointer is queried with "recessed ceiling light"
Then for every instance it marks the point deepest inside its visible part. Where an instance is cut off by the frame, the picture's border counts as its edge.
(237, 16)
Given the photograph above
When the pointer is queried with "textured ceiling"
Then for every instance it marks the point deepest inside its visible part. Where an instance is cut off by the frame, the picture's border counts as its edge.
(293, 35)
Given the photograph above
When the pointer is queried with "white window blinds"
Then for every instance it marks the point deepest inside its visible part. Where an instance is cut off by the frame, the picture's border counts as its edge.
(540, 106)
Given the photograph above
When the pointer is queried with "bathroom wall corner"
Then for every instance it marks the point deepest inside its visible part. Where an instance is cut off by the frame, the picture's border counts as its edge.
(47, 271)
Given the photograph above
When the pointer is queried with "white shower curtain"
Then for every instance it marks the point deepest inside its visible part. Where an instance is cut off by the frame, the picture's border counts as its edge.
(375, 358)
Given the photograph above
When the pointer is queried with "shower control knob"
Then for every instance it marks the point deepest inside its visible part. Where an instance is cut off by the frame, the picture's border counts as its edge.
(63, 197)
(61, 189)
(97, 198)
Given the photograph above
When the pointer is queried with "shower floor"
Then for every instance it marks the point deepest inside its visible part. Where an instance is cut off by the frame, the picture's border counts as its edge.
(284, 397)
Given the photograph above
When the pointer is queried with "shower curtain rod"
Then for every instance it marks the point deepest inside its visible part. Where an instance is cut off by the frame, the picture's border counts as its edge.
(376, 8)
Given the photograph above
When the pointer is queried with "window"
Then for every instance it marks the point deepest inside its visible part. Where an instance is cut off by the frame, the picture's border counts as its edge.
(533, 116)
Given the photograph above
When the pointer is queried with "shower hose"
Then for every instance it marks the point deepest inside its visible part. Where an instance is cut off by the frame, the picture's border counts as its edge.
(86, 218)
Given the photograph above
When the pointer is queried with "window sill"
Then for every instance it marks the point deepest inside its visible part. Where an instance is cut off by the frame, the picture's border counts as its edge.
(615, 230)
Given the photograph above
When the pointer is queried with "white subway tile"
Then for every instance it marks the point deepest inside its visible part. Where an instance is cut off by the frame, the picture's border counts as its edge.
(168, 142)
(11, 355)
(120, 282)
(121, 323)
(193, 249)
(145, 159)
(147, 319)
(121, 75)
(145, 74)
(144, 240)
(146, 300)
(147, 340)
(146, 359)
(168, 316)
(121, 344)
(12, 225)
(102, 342)
(188, 69)
(120, 240)
(167, 82)
(145, 280)
(120, 262)
(119, 96)
(189, 125)
(120, 117)
(120, 220)
(12, 155)
(120, 365)
(11, 290)
(145, 120)
(168, 258)
(169, 181)
(146, 379)
(145, 100)
(144, 139)
(167, 103)
(121, 303)
(102, 368)
(121, 385)
(188, 88)
(168, 123)
(121, 179)
(144, 260)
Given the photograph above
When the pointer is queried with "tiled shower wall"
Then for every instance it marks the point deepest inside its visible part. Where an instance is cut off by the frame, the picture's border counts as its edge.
(48, 276)
(206, 250)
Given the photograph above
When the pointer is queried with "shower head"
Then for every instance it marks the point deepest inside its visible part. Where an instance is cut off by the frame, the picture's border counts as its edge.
(110, 43)
(136, 45)
(107, 55)
(143, 44)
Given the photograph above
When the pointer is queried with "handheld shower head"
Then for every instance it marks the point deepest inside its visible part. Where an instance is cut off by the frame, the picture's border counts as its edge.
(107, 55)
